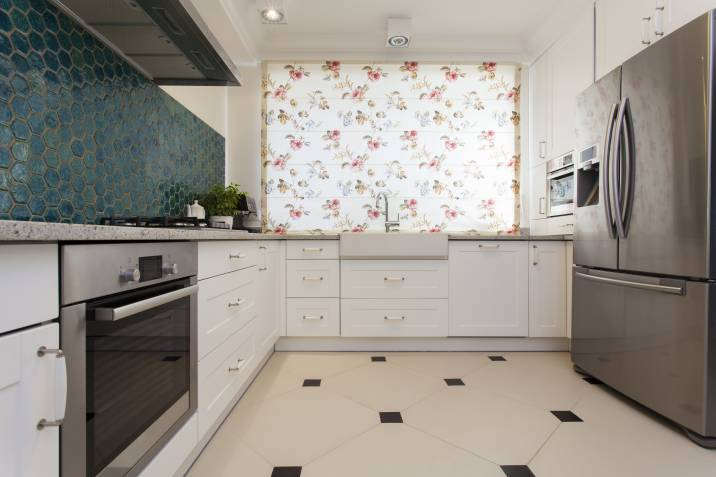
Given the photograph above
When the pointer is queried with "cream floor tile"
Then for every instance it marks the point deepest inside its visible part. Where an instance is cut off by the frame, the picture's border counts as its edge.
(296, 427)
(272, 381)
(620, 439)
(499, 429)
(541, 382)
(440, 365)
(226, 457)
(558, 359)
(384, 387)
(319, 365)
(397, 450)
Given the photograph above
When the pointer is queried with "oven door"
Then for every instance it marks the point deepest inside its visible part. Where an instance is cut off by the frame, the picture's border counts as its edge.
(561, 192)
(139, 351)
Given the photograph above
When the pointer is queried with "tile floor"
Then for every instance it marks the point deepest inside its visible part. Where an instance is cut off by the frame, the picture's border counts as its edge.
(441, 415)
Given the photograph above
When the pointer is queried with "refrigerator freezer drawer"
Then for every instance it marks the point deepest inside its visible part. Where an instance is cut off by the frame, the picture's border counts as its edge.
(648, 338)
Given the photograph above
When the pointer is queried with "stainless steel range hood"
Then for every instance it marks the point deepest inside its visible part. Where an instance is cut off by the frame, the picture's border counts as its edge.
(159, 37)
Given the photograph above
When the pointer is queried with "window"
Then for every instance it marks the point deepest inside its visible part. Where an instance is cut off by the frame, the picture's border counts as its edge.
(441, 140)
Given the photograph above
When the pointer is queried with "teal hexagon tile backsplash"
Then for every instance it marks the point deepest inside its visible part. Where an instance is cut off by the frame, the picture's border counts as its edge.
(83, 134)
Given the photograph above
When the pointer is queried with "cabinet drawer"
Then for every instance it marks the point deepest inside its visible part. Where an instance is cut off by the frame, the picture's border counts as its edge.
(226, 304)
(221, 375)
(312, 317)
(393, 318)
(217, 257)
(394, 279)
(312, 249)
(312, 278)
(29, 285)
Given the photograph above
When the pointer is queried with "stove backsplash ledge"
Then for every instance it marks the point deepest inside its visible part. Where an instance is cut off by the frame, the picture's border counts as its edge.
(83, 135)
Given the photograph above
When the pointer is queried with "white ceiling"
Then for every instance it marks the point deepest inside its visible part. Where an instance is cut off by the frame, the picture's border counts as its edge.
(444, 29)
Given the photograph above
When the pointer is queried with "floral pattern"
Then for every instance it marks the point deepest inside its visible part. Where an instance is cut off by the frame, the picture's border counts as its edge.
(442, 140)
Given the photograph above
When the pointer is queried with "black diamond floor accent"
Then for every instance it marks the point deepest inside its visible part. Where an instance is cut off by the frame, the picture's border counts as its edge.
(497, 358)
(311, 383)
(566, 416)
(454, 382)
(378, 359)
(517, 471)
(592, 380)
(171, 358)
(391, 418)
(286, 472)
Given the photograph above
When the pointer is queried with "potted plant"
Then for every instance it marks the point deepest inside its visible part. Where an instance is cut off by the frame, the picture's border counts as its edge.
(222, 203)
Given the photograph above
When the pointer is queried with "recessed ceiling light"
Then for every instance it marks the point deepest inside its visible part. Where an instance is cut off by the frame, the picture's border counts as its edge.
(272, 15)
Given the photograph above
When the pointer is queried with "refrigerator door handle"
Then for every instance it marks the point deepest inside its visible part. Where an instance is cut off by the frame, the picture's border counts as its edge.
(618, 182)
(630, 167)
(672, 290)
(606, 167)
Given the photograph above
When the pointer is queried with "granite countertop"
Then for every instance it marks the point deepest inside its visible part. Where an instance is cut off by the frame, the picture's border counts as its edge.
(20, 231)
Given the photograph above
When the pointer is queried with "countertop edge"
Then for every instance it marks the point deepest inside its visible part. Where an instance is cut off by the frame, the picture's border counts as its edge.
(20, 231)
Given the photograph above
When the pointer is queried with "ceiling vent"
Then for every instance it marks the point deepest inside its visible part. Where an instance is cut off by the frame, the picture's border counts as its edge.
(399, 32)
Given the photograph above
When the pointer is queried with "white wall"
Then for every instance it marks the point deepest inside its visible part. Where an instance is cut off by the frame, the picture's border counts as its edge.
(207, 102)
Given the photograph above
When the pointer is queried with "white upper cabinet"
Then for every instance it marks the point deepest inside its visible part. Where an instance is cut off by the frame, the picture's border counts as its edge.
(624, 28)
(572, 72)
(538, 192)
(540, 79)
(488, 289)
(548, 290)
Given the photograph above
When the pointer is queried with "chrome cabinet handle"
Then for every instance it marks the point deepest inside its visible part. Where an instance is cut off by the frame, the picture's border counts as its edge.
(393, 279)
(239, 302)
(659, 21)
(60, 387)
(312, 249)
(310, 317)
(263, 269)
(542, 149)
(239, 365)
(542, 205)
(121, 312)
(645, 31)
(262, 247)
(535, 255)
(236, 256)
(393, 318)
(312, 279)
(492, 246)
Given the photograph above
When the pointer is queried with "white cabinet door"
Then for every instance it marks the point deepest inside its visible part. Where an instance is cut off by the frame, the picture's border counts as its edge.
(541, 80)
(538, 192)
(271, 280)
(548, 290)
(621, 29)
(572, 72)
(32, 388)
(488, 289)
(568, 272)
(678, 13)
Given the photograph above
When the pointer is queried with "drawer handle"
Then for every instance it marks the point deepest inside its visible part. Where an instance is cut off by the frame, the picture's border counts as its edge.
(43, 423)
(239, 302)
(484, 245)
(312, 279)
(239, 365)
(263, 269)
(310, 317)
(312, 249)
(394, 279)
(393, 318)
(236, 256)
(261, 247)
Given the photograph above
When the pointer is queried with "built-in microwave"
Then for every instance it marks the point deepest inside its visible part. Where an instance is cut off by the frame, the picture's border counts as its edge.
(560, 186)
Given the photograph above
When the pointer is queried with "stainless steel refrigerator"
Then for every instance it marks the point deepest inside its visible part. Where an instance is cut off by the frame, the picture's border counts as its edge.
(644, 280)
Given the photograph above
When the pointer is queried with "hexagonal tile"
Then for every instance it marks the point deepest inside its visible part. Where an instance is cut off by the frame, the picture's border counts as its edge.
(5, 22)
(20, 212)
(66, 209)
(37, 205)
(482, 422)
(20, 106)
(5, 201)
(5, 113)
(20, 129)
(19, 172)
(384, 387)
(19, 20)
(388, 451)
(20, 192)
(20, 151)
(301, 412)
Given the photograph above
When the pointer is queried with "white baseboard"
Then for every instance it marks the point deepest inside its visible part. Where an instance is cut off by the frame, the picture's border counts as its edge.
(422, 344)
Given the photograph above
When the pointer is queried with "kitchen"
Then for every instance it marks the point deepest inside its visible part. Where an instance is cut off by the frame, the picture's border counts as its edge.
(281, 238)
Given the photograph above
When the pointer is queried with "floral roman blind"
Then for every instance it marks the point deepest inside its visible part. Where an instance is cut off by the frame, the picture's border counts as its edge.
(441, 140)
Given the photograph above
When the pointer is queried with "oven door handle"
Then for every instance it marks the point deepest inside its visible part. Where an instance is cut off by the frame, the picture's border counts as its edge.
(559, 173)
(121, 312)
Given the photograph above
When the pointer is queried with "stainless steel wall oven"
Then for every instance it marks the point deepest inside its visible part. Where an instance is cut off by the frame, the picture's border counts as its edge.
(128, 325)
(560, 181)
